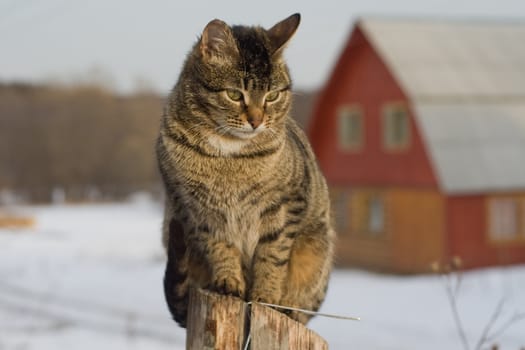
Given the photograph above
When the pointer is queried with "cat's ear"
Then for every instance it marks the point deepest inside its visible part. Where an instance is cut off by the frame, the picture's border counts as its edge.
(217, 41)
(282, 32)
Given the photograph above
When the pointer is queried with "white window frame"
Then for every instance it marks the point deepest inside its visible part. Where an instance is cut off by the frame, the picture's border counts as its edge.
(396, 137)
(350, 127)
(506, 217)
(376, 215)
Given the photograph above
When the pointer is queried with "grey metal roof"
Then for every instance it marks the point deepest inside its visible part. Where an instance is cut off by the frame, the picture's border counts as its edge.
(437, 59)
(475, 147)
(466, 81)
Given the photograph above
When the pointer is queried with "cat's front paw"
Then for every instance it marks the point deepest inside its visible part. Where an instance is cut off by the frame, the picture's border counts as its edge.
(229, 285)
(260, 296)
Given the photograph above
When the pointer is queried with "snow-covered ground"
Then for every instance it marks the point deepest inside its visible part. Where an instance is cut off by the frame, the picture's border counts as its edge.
(90, 277)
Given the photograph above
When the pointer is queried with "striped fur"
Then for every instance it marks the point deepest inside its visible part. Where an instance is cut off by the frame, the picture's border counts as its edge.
(247, 210)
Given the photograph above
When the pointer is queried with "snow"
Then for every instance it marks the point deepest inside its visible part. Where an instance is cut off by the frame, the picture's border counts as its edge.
(90, 276)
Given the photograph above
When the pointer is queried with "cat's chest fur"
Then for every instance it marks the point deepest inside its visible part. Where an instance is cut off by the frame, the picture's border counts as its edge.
(226, 147)
(239, 218)
(224, 192)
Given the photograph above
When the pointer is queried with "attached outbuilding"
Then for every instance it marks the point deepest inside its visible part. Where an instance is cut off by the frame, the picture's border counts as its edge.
(420, 131)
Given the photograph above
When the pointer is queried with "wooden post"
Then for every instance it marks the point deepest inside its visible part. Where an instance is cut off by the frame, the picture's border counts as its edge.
(271, 329)
(220, 322)
(215, 321)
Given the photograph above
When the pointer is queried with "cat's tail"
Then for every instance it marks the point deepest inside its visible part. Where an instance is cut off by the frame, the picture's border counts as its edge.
(176, 283)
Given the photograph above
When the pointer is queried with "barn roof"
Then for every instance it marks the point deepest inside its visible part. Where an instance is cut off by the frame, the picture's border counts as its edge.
(452, 59)
(466, 81)
(475, 147)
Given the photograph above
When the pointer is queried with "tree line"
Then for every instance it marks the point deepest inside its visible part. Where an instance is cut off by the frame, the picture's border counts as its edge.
(83, 142)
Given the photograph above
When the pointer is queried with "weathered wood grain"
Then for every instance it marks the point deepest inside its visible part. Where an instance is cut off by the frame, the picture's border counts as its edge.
(222, 323)
(215, 322)
(271, 329)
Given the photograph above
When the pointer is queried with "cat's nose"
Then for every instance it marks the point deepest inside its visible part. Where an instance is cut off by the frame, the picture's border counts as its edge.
(255, 117)
(254, 122)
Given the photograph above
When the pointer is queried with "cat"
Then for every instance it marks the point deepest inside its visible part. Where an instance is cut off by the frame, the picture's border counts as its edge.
(247, 210)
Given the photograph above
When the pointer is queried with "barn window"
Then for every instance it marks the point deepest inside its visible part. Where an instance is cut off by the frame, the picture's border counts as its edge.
(350, 127)
(376, 215)
(504, 219)
(368, 213)
(396, 126)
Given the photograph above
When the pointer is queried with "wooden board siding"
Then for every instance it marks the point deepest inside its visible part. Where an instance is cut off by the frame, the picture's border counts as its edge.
(361, 79)
(355, 247)
(468, 236)
(413, 234)
(417, 223)
(362, 252)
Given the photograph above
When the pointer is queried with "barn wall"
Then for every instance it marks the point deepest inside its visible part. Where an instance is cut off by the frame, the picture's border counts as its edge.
(468, 237)
(354, 246)
(361, 77)
(413, 235)
(418, 225)
(422, 225)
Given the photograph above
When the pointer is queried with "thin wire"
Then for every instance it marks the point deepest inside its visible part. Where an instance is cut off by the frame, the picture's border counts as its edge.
(247, 345)
(249, 321)
(309, 312)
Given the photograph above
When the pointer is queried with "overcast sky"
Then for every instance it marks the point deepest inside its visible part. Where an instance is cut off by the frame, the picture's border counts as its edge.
(138, 42)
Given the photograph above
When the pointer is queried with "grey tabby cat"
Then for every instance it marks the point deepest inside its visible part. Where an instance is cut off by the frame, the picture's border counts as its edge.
(247, 210)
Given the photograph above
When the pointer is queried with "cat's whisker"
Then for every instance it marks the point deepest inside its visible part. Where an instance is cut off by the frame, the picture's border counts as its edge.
(223, 129)
(195, 129)
(271, 131)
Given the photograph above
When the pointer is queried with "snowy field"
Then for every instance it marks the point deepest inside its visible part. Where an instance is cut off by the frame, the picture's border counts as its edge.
(90, 277)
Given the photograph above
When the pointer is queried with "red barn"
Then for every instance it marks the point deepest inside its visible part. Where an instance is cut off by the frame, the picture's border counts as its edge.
(420, 131)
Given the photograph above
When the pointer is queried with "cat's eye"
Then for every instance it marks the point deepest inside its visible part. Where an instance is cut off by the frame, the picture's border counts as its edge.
(272, 96)
(234, 95)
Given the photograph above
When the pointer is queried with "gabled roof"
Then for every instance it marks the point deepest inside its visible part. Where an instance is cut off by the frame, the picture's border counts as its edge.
(466, 82)
(452, 59)
(475, 147)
